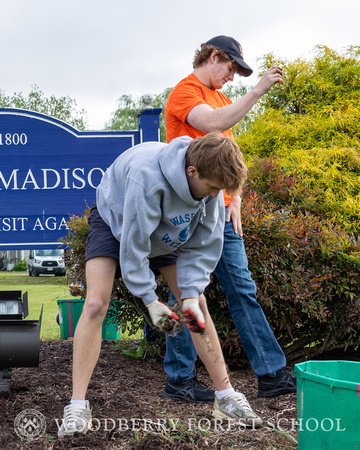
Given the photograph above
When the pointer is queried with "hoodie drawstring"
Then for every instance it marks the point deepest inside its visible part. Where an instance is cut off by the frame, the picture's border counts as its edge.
(202, 210)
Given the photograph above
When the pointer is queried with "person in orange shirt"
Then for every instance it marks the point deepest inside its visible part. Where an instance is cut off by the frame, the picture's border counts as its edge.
(195, 107)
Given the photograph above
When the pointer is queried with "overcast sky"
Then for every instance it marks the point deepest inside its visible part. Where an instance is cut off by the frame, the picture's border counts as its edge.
(96, 51)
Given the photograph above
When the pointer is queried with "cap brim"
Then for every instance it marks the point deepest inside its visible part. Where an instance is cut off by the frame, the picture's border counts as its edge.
(245, 70)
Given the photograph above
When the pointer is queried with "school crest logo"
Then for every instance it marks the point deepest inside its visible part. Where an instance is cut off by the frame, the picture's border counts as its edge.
(30, 424)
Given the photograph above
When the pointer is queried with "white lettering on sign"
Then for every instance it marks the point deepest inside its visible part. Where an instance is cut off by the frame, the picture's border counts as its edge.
(65, 178)
(50, 223)
(33, 223)
(13, 139)
(13, 223)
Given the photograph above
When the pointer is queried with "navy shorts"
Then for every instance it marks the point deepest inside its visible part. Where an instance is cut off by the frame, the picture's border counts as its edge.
(101, 242)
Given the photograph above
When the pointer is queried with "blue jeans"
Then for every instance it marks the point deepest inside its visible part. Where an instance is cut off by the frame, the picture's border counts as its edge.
(258, 341)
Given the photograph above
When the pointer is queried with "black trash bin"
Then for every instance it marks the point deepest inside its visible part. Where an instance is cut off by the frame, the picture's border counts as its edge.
(19, 339)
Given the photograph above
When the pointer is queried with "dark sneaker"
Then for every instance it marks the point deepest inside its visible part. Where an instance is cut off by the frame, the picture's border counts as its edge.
(282, 383)
(235, 406)
(192, 389)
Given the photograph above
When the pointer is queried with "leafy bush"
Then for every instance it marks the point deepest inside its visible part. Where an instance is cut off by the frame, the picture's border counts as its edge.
(20, 266)
(312, 124)
(307, 271)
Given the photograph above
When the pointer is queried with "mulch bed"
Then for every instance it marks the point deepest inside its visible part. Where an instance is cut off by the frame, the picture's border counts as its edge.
(127, 392)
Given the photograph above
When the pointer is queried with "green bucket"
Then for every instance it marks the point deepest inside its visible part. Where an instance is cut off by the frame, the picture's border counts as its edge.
(328, 405)
(70, 310)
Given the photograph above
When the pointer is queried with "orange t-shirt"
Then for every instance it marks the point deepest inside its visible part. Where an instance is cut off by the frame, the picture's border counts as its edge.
(188, 93)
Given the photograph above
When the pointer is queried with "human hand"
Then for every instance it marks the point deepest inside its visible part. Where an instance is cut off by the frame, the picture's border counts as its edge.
(194, 316)
(233, 213)
(270, 77)
(162, 316)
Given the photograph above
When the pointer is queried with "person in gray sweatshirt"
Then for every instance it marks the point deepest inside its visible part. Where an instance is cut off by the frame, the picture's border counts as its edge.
(159, 209)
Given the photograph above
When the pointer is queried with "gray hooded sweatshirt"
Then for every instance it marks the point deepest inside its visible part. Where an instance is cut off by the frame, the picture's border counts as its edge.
(145, 199)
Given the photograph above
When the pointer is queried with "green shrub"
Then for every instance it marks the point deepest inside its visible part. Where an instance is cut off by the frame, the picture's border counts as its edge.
(312, 124)
(307, 270)
(20, 266)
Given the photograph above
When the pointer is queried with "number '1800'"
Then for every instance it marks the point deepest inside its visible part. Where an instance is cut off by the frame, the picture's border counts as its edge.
(13, 139)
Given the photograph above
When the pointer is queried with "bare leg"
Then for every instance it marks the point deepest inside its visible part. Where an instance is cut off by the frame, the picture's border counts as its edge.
(207, 345)
(209, 350)
(87, 341)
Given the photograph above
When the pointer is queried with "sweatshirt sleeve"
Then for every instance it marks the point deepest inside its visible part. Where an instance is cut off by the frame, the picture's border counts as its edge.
(198, 258)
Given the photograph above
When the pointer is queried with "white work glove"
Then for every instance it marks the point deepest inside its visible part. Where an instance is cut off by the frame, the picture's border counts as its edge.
(158, 312)
(195, 319)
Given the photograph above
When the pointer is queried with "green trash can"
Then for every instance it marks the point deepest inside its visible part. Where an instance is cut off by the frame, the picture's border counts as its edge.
(70, 310)
(328, 405)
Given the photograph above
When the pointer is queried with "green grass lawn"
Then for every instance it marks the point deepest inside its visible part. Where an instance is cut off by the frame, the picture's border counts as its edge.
(44, 290)
(41, 290)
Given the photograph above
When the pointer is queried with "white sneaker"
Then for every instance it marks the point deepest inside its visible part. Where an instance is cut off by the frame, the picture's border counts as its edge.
(235, 406)
(77, 419)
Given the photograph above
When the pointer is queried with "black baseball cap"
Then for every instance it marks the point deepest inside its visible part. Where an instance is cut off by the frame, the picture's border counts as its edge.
(231, 46)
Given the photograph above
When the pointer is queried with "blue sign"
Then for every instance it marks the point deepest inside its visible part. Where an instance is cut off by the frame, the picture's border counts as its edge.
(49, 171)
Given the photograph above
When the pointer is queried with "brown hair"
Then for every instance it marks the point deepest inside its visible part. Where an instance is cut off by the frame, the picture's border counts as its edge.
(202, 56)
(218, 157)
